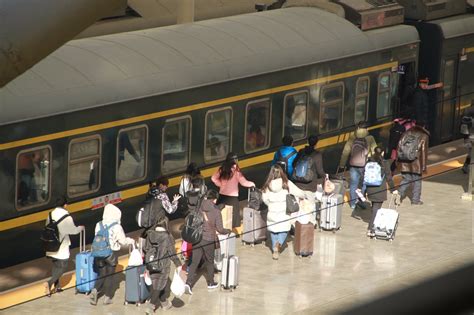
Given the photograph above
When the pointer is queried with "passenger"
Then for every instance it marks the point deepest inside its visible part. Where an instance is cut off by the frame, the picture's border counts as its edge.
(26, 170)
(274, 192)
(126, 144)
(204, 250)
(106, 266)
(158, 191)
(317, 165)
(160, 236)
(197, 192)
(60, 258)
(412, 170)
(227, 178)
(400, 125)
(378, 194)
(255, 137)
(420, 101)
(218, 151)
(191, 172)
(358, 147)
(285, 155)
(467, 130)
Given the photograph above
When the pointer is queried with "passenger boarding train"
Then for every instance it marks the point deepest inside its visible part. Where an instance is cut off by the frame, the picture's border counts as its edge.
(100, 118)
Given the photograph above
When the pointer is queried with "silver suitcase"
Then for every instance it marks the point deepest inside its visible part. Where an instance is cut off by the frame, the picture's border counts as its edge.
(331, 212)
(230, 273)
(227, 245)
(386, 222)
(255, 227)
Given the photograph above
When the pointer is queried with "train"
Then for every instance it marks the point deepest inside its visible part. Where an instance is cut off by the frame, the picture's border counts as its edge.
(102, 117)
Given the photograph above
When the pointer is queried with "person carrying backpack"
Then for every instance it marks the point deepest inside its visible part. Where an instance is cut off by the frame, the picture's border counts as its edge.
(308, 170)
(376, 179)
(204, 250)
(285, 155)
(412, 159)
(160, 251)
(357, 149)
(59, 225)
(400, 125)
(109, 237)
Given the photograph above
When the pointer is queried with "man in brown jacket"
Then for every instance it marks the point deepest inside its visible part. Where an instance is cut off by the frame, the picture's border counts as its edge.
(412, 170)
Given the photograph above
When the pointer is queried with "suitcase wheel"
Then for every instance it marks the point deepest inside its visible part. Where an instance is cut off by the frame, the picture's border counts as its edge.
(125, 303)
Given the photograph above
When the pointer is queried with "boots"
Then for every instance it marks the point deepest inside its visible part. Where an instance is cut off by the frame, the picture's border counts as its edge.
(276, 251)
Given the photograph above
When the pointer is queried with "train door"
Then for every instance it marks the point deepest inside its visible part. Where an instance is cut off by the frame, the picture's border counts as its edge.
(449, 99)
(406, 86)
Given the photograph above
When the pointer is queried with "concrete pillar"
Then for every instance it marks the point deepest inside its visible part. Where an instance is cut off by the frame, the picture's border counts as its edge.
(185, 11)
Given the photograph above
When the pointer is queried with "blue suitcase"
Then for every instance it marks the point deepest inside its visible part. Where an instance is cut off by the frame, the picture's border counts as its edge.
(136, 290)
(85, 274)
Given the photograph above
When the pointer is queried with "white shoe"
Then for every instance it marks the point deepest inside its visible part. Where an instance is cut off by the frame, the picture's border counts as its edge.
(187, 289)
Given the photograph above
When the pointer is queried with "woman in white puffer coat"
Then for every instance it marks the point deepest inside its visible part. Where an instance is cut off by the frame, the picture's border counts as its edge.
(274, 192)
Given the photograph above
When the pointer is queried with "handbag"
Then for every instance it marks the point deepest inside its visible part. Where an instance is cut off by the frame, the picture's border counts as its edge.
(291, 204)
(254, 198)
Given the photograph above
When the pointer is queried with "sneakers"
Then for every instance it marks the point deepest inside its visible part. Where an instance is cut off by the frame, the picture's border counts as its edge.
(370, 233)
(58, 290)
(47, 290)
(187, 289)
(212, 285)
(166, 305)
(107, 300)
(417, 203)
(93, 296)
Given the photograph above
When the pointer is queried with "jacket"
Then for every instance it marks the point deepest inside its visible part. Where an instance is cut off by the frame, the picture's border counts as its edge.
(230, 187)
(66, 227)
(358, 133)
(285, 151)
(117, 238)
(275, 198)
(213, 222)
(379, 193)
(417, 166)
(318, 168)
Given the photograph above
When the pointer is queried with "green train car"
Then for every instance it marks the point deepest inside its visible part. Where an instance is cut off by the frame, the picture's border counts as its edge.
(101, 117)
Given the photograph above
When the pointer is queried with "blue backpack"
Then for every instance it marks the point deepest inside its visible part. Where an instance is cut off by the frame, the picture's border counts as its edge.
(373, 174)
(101, 245)
(303, 170)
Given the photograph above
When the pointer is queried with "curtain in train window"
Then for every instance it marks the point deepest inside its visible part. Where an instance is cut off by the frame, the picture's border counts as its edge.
(218, 128)
(331, 103)
(361, 100)
(176, 145)
(84, 166)
(33, 177)
(384, 107)
(131, 154)
(295, 122)
(257, 125)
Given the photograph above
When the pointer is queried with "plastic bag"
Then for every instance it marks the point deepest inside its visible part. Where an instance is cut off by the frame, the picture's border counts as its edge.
(177, 285)
(135, 258)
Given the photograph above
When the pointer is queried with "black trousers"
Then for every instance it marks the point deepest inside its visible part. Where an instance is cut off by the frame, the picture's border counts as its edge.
(204, 251)
(234, 202)
(59, 268)
(376, 205)
(105, 279)
(160, 296)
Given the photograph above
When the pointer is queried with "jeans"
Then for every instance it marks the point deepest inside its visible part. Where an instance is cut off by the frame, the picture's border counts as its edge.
(357, 176)
(411, 179)
(278, 237)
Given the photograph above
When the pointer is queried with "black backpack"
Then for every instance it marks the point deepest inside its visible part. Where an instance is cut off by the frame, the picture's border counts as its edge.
(282, 161)
(149, 213)
(155, 257)
(50, 235)
(408, 147)
(359, 152)
(193, 225)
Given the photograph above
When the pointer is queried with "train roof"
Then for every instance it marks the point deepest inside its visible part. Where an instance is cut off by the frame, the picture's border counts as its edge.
(456, 26)
(104, 70)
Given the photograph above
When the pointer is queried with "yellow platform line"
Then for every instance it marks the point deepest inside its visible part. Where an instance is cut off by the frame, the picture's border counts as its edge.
(36, 290)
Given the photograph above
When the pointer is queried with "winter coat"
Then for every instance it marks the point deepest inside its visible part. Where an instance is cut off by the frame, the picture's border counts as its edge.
(117, 238)
(417, 166)
(214, 221)
(230, 187)
(285, 151)
(318, 168)
(394, 138)
(359, 133)
(379, 193)
(275, 198)
(66, 227)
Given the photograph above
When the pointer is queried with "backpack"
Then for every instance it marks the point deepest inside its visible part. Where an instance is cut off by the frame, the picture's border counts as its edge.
(282, 161)
(373, 174)
(193, 225)
(100, 247)
(148, 214)
(408, 147)
(303, 170)
(359, 152)
(50, 235)
(155, 257)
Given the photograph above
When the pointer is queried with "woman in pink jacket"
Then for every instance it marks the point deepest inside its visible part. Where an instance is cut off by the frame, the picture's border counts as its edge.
(227, 178)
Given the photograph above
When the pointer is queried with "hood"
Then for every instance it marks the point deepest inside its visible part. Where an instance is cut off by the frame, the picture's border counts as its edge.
(207, 205)
(420, 129)
(157, 237)
(111, 214)
(276, 185)
(361, 132)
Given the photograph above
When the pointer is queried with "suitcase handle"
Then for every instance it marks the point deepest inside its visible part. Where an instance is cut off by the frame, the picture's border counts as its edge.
(392, 198)
(82, 240)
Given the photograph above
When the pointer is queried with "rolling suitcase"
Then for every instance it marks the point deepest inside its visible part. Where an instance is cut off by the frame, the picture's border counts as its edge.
(386, 222)
(227, 247)
(330, 216)
(85, 274)
(230, 267)
(136, 290)
(255, 226)
(303, 243)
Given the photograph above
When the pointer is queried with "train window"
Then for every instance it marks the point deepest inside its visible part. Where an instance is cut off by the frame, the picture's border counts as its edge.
(131, 154)
(257, 125)
(84, 166)
(176, 144)
(295, 115)
(361, 99)
(331, 102)
(383, 96)
(33, 177)
(218, 134)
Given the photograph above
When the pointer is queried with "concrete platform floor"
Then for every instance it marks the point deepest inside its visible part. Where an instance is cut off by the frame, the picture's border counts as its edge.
(346, 269)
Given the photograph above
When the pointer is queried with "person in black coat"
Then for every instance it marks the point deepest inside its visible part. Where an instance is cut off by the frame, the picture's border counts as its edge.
(378, 194)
